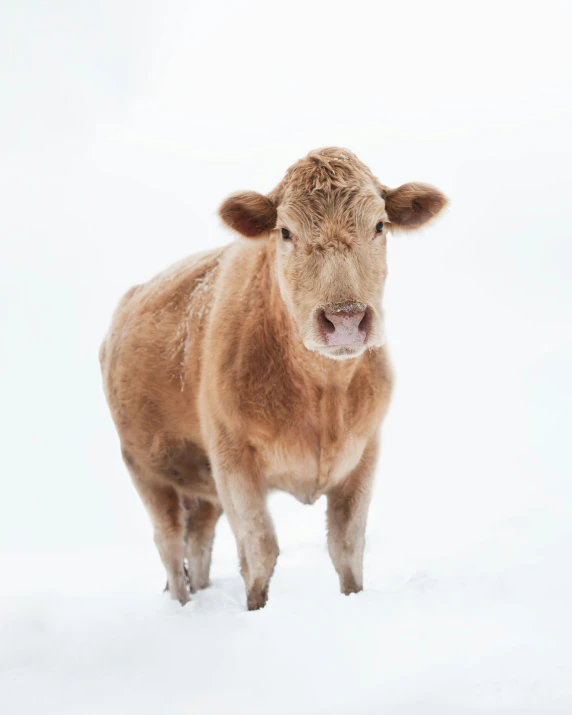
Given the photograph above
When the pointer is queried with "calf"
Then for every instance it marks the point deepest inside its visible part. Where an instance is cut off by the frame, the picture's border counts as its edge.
(262, 366)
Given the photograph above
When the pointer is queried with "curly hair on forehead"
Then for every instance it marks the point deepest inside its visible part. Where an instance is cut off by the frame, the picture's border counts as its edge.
(325, 170)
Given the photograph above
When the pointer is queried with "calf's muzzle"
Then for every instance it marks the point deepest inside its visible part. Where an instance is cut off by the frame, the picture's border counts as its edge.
(344, 324)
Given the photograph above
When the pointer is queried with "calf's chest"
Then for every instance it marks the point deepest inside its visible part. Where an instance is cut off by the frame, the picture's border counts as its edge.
(312, 456)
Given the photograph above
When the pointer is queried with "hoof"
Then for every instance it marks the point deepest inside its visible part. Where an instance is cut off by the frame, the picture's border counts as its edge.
(257, 599)
(179, 592)
(348, 588)
(182, 596)
(349, 584)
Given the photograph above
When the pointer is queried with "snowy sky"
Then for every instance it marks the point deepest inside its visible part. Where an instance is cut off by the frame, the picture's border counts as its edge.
(125, 125)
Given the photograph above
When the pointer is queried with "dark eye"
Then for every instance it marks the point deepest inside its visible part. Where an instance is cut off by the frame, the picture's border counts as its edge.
(379, 227)
(286, 235)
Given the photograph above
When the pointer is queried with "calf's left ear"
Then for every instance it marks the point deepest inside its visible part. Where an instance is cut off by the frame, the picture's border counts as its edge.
(250, 214)
(413, 205)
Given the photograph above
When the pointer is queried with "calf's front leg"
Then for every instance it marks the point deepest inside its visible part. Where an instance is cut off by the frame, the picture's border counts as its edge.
(348, 505)
(243, 497)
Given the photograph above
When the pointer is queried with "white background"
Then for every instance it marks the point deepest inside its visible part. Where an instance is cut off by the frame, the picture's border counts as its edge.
(123, 125)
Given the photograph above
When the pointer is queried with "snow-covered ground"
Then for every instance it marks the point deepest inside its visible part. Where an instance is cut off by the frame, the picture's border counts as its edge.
(126, 128)
(485, 628)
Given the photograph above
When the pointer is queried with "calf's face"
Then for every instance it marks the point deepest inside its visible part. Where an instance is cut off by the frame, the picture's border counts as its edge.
(329, 218)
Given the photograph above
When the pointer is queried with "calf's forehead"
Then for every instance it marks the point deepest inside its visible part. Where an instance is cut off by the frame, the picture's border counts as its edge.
(329, 185)
(352, 209)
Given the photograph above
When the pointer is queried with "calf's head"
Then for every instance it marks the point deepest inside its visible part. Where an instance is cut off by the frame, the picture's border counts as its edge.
(329, 218)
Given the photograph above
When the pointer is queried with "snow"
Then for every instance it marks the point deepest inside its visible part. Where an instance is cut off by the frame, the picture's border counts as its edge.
(483, 630)
(125, 132)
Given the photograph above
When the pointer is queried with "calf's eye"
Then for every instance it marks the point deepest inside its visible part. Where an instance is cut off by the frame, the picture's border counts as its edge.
(379, 227)
(286, 235)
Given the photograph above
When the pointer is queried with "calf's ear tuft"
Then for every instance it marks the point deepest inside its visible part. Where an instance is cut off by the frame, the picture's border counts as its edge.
(250, 214)
(413, 205)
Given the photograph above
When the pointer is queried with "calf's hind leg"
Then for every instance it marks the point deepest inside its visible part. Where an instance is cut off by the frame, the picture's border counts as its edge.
(200, 519)
(164, 508)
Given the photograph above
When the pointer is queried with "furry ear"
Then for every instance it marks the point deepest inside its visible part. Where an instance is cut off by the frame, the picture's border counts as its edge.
(412, 205)
(249, 213)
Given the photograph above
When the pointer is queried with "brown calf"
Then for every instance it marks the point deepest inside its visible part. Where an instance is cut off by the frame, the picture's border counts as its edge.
(262, 366)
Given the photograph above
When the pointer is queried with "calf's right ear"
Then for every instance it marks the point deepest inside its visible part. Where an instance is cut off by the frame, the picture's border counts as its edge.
(250, 214)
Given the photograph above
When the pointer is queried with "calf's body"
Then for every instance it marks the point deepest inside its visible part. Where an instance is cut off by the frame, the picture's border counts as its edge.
(225, 383)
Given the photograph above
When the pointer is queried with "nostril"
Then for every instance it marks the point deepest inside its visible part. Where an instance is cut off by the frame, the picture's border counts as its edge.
(365, 322)
(326, 325)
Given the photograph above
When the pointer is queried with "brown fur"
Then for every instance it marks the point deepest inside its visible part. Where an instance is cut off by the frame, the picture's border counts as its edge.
(249, 213)
(222, 389)
(413, 205)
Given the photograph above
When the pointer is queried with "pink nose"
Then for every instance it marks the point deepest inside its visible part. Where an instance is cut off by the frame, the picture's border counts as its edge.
(344, 327)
